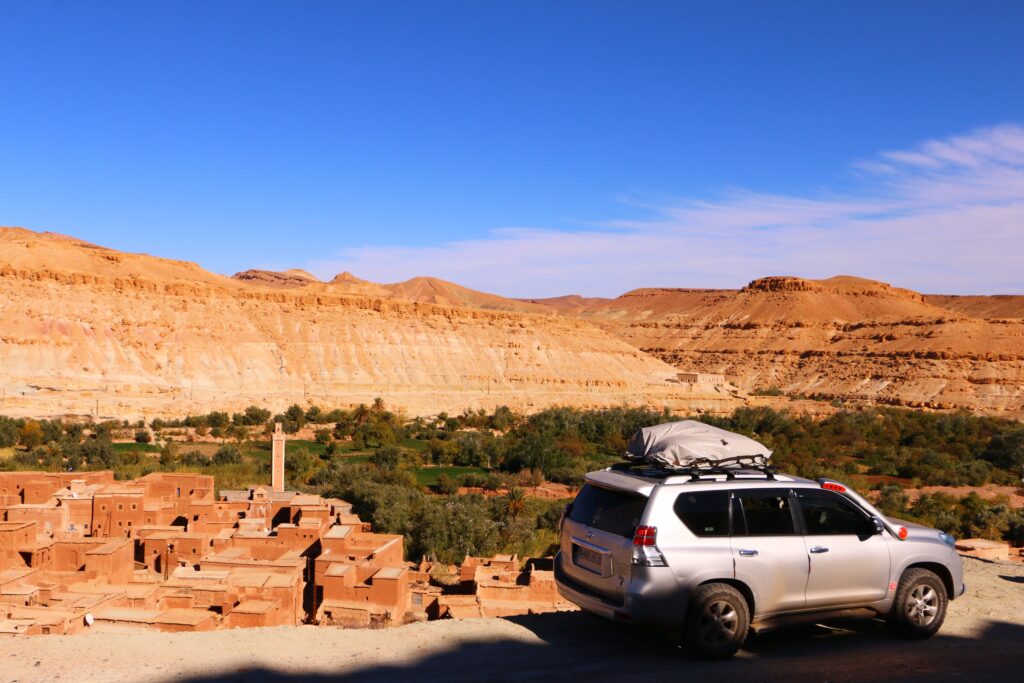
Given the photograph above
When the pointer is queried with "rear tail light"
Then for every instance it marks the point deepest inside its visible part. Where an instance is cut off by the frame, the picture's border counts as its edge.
(645, 536)
(833, 486)
(645, 551)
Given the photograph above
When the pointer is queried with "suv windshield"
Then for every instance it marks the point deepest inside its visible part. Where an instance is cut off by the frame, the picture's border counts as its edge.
(616, 512)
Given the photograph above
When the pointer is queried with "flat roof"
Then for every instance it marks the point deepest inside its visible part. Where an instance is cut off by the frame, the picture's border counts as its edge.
(138, 616)
(338, 569)
(339, 531)
(203, 574)
(184, 616)
(389, 573)
(109, 547)
(254, 607)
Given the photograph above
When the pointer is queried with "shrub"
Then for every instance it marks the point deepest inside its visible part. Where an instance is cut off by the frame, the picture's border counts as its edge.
(143, 436)
(472, 480)
(228, 454)
(195, 459)
(446, 485)
(8, 432)
(255, 416)
(31, 434)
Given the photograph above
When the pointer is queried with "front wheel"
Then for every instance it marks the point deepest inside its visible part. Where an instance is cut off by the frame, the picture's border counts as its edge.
(717, 622)
(920, 605)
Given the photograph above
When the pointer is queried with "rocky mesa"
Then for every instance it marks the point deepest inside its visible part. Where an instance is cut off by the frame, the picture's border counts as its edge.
(844, 337)
(90, 330)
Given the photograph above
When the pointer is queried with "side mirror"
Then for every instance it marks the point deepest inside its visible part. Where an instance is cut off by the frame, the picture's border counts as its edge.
(879, 525)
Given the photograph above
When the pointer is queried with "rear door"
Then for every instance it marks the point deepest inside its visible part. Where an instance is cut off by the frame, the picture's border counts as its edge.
(768, 552)
(849, 560)
(597, 538)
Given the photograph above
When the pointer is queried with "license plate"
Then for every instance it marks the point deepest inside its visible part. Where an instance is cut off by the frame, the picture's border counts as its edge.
(588, 559)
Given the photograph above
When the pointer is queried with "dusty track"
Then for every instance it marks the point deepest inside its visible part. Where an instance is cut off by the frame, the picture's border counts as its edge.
(982, 640)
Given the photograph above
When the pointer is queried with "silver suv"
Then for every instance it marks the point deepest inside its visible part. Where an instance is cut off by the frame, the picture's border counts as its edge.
(714, 554)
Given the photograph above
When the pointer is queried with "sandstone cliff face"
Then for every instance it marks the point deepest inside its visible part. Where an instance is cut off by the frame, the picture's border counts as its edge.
(844, 337)
(89, 330)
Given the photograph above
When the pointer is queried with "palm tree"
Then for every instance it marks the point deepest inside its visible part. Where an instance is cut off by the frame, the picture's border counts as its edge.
(515, 502)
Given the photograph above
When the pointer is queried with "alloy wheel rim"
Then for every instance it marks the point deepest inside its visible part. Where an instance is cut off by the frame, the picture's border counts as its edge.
(922, 605)
(718, 623)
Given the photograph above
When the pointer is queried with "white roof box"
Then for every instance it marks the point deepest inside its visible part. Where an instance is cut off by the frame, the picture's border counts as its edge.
(690, 443)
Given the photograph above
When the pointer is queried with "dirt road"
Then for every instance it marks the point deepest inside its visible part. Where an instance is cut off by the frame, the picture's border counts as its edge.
(983, 639)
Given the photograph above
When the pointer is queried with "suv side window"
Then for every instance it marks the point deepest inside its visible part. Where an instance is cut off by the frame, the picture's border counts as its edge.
(705, 513)
(829, 514)
(766, 512)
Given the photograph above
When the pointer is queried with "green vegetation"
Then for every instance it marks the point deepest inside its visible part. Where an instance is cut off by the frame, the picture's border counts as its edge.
(446, 527)
(134, 448)
(428, 476)
(404, 475)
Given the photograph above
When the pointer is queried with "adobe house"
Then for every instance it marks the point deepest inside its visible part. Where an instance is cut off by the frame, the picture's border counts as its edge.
(36, 487)
(162, 552)
(118, 510)
(256, 613)
(363, 596)
(168, 621)
(114, 561)
(500, 588)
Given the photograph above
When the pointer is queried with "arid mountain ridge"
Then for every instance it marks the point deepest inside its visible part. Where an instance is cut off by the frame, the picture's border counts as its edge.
(93, 331)
(174, 334)
(843, 338)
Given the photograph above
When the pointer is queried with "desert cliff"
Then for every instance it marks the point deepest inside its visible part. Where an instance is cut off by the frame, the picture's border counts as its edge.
(89, 330)
(844, 337)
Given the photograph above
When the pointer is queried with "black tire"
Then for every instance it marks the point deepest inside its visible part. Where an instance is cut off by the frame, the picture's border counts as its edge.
(717, 622)
(920, 604)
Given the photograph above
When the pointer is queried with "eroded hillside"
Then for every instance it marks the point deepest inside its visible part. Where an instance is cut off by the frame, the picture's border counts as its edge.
(91, 330)
(843, 337)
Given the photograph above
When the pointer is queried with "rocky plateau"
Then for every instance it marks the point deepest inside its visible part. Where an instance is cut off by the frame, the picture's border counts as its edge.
(92, 331)
(89, 330)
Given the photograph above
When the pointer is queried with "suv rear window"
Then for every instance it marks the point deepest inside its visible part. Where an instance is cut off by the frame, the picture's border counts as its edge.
(615, 512)
(705, 513)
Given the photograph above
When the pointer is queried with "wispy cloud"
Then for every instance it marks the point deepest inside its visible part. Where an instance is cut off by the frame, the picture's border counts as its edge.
(945, 216)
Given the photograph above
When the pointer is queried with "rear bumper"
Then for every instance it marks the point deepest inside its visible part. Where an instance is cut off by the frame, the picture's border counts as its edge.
(652, 597)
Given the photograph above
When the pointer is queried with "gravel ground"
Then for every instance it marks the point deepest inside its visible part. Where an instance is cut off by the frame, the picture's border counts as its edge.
(982, 639)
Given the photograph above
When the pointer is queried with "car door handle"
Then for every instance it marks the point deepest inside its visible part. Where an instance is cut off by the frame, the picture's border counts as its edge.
(748, 553)
(819, 549)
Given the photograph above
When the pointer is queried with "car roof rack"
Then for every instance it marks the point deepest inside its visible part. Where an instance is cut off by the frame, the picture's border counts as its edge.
(702, 467)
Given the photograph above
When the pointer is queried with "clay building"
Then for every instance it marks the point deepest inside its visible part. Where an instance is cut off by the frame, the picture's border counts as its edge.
(499, 587)
(81, 550)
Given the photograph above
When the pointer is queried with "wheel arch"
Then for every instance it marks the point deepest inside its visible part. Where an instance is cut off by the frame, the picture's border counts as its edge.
(939, 570)
(744, 590)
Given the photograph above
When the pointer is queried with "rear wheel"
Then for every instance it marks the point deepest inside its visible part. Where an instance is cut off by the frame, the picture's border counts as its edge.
(717, 622)
(920, 605)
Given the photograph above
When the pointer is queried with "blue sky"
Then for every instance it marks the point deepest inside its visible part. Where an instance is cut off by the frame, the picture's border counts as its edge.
(525, 148)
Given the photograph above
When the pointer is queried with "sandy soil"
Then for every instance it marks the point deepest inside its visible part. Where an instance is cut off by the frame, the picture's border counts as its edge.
(981, 640)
